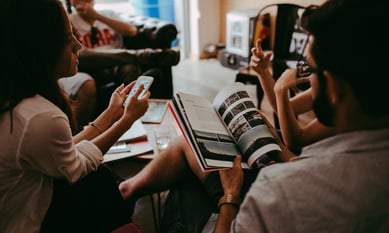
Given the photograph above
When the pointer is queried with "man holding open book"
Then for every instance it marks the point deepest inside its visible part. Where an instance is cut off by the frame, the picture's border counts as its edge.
(339, 184)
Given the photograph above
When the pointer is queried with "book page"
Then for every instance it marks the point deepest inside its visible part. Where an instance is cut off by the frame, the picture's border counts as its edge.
(210, 138)
(242, 119)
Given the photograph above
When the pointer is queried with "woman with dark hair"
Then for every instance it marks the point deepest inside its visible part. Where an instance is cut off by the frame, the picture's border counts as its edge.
(39, 157)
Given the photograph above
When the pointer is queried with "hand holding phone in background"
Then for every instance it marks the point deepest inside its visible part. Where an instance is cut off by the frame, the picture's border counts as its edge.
(146, 81)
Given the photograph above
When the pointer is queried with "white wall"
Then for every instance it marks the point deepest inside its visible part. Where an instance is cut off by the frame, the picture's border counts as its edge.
(204, 23)
(181, 9)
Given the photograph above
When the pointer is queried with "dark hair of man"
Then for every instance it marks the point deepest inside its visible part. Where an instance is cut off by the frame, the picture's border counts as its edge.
(34, 35)
(349, 42)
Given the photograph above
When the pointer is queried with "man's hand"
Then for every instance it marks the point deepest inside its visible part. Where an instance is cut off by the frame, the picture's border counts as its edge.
(232, 178)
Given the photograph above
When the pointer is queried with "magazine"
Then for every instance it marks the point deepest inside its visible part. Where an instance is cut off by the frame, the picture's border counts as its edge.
(218, 131)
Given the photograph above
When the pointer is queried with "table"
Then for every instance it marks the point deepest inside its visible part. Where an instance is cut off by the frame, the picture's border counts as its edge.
(121, 166)
(130, 166)
(169, 121)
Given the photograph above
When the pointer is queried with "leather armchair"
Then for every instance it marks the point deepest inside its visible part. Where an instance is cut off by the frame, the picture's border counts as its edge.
(153, 33)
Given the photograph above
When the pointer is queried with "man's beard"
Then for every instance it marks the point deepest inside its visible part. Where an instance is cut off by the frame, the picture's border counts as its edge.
(321, 104)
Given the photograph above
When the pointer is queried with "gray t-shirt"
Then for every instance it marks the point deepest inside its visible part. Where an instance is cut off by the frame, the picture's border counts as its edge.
(340, 184)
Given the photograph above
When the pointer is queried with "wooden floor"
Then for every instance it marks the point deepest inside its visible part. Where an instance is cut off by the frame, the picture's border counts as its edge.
(202, 77)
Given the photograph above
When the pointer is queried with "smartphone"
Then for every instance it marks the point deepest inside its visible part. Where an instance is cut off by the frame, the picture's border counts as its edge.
(146, 80)
(303, 69)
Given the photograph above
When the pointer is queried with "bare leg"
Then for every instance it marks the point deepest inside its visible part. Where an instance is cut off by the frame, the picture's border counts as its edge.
(157, 57)
(172, 166)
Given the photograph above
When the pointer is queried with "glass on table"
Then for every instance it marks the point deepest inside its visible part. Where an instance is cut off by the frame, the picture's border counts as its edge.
(162, 136)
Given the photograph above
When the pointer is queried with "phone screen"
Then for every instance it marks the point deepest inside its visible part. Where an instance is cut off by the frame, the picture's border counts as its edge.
(146, 81)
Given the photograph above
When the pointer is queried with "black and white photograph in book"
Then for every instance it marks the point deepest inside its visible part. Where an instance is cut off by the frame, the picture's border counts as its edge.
(218, 131)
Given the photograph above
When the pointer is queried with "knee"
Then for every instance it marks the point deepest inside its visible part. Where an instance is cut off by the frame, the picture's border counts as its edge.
(88, 89)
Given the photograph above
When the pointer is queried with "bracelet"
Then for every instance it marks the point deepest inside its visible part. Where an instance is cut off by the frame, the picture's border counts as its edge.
(96, 127)
(229, 200)
(228, 203)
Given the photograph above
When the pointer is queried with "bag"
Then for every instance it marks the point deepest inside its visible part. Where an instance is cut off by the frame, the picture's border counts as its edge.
(93, 204)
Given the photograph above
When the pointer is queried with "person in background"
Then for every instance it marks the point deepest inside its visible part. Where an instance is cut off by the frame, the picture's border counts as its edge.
(41, 163)
(81, 89)
(340, 183)
(102, 33)
(294, 135)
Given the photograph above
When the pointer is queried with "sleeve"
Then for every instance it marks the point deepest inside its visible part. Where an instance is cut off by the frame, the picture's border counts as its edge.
(264, 208)
(48, 147)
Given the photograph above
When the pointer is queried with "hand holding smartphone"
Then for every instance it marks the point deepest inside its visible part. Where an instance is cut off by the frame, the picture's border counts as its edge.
(146, 81)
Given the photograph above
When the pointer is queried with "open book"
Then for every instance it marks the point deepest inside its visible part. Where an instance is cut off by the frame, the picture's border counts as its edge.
(217, 131)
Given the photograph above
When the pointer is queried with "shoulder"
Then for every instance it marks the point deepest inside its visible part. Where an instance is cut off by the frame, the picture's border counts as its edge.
(40, 114)
(38, 122)
(37, 105)
(303, 176)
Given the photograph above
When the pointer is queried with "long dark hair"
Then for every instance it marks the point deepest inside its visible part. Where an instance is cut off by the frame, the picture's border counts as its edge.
(34, 35)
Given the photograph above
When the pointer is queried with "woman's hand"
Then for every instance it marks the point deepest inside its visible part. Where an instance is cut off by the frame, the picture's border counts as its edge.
(260, 60)
(232, 178)
(137, 107)
(115, 107)
(289, 80)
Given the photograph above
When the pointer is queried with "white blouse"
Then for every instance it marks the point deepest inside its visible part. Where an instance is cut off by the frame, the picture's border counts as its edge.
(35, 147)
